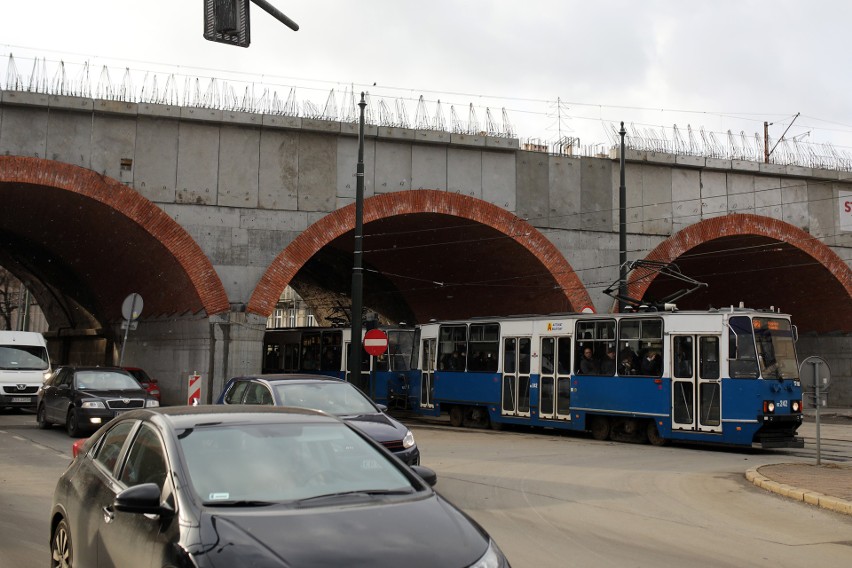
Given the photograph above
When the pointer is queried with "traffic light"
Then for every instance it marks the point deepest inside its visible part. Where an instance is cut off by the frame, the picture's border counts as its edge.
(227, 21)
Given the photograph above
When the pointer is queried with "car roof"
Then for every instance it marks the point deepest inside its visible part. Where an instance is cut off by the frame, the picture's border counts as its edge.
(188, 416)
(293, 377)
(92, 368)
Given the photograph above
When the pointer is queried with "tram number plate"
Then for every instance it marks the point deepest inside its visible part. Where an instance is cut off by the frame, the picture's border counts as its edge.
(20, 399)
(782, 403)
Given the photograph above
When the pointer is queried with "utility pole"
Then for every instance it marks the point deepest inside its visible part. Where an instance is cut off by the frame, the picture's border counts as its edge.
(622, 228)
(766, 142)
(357, 270)
(768, 153)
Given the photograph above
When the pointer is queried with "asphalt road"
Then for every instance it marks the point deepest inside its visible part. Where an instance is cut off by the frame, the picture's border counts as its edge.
(549, 500)
(30, 462)
(562, 501)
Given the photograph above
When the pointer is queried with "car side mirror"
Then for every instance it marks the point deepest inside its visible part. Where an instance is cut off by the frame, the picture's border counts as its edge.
(382, 407)
(142, 499)
(428, 475)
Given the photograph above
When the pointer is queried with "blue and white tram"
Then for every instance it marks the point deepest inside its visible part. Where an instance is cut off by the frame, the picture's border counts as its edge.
(727, 376)
(325, 351)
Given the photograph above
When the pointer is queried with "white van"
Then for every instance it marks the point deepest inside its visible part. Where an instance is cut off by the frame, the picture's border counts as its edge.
(24, 364)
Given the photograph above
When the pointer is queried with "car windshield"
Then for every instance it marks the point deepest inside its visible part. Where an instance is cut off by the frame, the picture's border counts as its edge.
(253, 464)
(336, 398)
(139, 375)
(23, 358)
(776, 351)
(105, 380)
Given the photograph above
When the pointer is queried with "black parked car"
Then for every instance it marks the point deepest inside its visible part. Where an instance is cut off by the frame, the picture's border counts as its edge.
(234, 486)
(330, 395)
(85, 398)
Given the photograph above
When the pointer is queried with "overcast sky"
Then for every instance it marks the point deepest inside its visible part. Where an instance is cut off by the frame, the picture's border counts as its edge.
(722, 65)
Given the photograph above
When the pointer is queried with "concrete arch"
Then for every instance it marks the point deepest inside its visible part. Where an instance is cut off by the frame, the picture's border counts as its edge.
(18, 172)
(290, 260)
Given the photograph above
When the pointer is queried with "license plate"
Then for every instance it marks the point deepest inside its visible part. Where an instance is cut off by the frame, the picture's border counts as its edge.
(21, 399)
(119, 412)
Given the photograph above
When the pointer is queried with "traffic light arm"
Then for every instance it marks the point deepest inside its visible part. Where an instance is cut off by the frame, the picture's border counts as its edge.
(276, 13)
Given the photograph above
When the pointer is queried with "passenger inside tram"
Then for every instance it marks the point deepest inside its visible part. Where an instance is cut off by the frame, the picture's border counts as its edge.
(588, 364)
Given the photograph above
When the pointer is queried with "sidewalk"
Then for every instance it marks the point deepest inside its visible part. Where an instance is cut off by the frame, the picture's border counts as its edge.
(828, 485)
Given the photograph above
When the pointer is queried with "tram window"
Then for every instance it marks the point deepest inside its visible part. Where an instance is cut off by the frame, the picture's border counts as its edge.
(547, 356)
(483, 344)
(640, 346)
(708, 353)
(291, 357)
(381, 362)
(452, 347)
(428, 356)
(509, 355)
(272, 361)
(682, 357)
(524, 348)
(741, 354)
(331, 350)
(597, 336)
(775, 349)
(400, 348)
(365, 359)
(310, 351)
(563, 355)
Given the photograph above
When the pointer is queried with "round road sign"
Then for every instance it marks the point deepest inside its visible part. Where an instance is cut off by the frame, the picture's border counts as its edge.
(375, 342)
(813, 370)
(131, 308)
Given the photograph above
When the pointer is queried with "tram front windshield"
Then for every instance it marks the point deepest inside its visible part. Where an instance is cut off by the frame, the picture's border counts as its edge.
(775, 348)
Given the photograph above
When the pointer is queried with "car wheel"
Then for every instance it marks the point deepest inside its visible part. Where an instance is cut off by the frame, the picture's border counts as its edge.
(61, 551)
(41, 419)
(72, 424)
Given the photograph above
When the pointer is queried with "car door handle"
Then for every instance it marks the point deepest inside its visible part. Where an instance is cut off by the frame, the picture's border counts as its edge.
(109, 514)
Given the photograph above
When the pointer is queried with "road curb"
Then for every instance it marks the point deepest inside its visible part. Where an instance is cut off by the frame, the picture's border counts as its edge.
(811, 497)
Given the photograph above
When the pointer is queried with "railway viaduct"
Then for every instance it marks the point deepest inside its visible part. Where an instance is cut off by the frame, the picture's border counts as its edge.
(210, 214)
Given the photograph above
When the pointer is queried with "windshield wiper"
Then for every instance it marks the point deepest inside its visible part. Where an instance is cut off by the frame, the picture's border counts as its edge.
(357, 492)
(239, 503)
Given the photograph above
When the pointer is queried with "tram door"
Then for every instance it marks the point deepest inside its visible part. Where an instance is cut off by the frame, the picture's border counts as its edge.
(516, 376)
(555, 380)
(696, 388)
(427, 391)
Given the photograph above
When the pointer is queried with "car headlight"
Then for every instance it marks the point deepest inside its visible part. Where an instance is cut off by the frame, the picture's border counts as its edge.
(92, 404)
(152, 403)
(408, 440)
(493, 558)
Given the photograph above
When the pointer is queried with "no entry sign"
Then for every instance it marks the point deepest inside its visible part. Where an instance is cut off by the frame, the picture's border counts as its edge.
(375, 342)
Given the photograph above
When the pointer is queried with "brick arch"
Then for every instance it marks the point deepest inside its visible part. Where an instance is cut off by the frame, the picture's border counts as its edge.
(285, 266)
(742, 224)
(131, 204)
